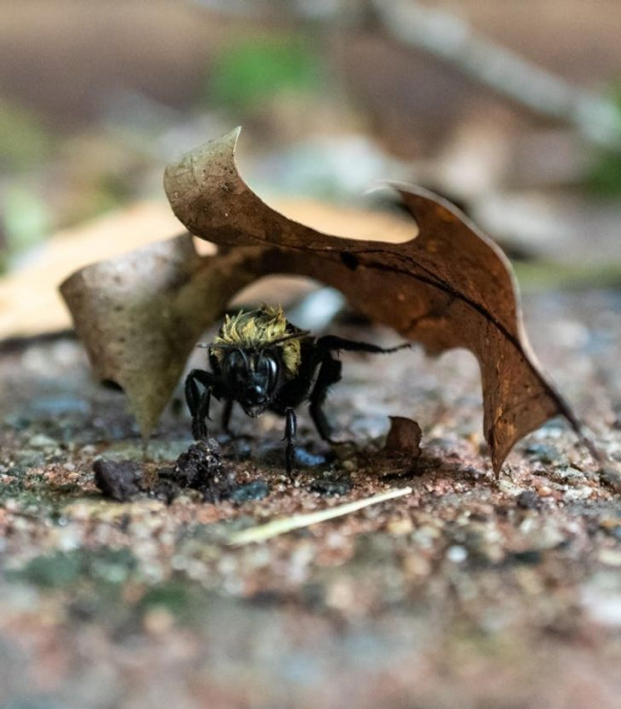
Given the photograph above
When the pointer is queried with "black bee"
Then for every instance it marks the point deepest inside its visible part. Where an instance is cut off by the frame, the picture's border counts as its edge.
(262, 361)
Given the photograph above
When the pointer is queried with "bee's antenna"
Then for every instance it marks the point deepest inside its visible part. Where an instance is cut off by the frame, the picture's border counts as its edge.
(217, 346)
(292, 336)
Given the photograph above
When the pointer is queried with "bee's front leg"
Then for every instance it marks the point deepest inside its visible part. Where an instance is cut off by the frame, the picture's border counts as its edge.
(226, 417)
(291, 427)
(199, 401)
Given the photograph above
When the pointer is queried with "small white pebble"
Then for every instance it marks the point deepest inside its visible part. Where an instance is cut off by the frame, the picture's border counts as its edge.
(578, 493)
(457, 554)
(610, 557)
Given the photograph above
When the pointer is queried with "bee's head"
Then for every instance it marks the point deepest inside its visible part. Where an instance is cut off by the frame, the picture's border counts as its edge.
(252, 377)
(255, 352)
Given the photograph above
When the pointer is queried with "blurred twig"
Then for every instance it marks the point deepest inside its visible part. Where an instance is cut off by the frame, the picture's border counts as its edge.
(240, 8)
(451, 39)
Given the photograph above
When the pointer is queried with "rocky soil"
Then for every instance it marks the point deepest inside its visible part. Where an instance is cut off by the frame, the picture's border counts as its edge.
(470, 591)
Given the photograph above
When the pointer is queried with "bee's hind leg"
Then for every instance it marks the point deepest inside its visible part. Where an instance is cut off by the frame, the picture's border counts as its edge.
(329, 374)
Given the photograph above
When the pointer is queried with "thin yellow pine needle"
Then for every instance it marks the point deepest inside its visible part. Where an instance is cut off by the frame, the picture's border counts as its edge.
(281, 526)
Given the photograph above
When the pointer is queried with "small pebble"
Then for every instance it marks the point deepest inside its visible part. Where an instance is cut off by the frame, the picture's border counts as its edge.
(528, 500)
(401, 526)
(119, 480)
(457, 554)
(610, 557)
(42, 441)
(331, 486)
(256, 490)
(158, 621)
(578, 493)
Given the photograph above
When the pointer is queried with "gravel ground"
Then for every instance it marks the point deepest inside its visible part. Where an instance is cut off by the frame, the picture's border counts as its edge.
(470, 592)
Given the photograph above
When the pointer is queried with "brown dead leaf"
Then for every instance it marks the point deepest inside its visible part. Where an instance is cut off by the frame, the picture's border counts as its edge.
(448, 287)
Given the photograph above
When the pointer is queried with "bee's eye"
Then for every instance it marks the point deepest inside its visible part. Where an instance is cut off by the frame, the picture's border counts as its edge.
(267, 367)
(236, 365)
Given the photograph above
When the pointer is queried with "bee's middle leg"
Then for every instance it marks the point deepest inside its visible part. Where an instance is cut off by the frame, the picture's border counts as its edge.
(291, 427)
(226, 416)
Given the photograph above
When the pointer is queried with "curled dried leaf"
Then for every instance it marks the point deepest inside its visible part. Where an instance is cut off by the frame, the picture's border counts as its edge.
(449, 286)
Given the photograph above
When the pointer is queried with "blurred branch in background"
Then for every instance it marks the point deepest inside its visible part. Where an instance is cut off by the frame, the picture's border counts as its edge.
(451, 39)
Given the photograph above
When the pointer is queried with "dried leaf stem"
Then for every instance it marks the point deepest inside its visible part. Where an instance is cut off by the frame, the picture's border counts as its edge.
(277, 527)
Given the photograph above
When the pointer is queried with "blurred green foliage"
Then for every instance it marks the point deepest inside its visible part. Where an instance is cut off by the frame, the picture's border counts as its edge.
(252, 72)
(605, 177)
(103, 191)
(26, 219)
(25, 145)
(62, 569)
(24, 140)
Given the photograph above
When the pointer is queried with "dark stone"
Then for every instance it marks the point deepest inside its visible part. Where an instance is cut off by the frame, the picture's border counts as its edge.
(166, 490)
(528, 557)
(256, 490)
(198, 465)
(331, 486)
(306, 459)
(119, 480)
(528, 500)
(543, 452)
(273, 456)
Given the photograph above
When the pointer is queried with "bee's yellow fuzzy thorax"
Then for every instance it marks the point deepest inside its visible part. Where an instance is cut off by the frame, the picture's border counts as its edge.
(259, 328)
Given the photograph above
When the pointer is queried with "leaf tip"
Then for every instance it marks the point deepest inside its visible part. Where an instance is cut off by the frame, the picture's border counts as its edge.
(232, 137)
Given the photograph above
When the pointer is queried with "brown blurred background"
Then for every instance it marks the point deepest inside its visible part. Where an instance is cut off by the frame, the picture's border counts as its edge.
(96, 96)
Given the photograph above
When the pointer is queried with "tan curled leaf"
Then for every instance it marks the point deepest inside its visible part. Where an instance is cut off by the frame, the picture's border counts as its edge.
(140, 315)
(447, 287)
